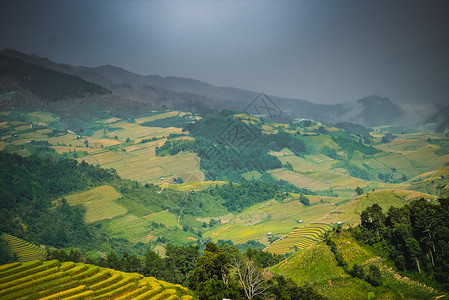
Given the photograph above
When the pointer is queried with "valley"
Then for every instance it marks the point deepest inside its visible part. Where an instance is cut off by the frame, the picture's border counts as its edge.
(408, 161)
(95, 185)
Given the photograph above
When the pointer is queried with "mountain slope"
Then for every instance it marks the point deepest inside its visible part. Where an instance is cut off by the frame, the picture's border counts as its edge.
(440, 119)
(317, 266)
(193, 95)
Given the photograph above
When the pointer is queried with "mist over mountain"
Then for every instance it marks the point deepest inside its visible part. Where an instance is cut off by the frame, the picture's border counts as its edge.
(194, 95)
(440, 120)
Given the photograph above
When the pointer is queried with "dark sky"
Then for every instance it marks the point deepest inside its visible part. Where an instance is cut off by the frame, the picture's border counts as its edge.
(325, 51)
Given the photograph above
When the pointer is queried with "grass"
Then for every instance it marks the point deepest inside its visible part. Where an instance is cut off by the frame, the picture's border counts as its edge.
(317, 267)
(55, 280)
(23, 249)
(252, 175)
(99, 203)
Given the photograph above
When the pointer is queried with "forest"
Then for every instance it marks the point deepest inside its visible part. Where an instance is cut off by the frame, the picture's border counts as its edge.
(415, 237)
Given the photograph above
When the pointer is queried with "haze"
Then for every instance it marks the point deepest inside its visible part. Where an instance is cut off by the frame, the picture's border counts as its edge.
(321, 51)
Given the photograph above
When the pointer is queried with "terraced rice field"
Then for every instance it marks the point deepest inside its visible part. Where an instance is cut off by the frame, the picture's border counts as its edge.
(159, 116)
(413, 142)
(164, 217)
(424, 159)
(67, 280)
(129, 226)
(195, 186)
(134, 131)
(137, 165)
(99, 203)
(298, 239)
(299, 180)
(24, 250)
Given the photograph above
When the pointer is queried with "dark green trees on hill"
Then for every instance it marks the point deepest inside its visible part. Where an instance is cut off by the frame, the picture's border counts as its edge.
(415, 237)
(27, 188)
(225, 159)
(45, 83)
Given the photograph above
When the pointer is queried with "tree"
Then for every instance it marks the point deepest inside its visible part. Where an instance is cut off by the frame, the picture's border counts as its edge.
(387, 138)
(358, 190)
(374, 277)
(250, 277)
(181, 260)
(153, 264)
(113, 261)
(303, 199)
(6, 255)
(373, 218)
(357, 271)
(216, 289)
(213, 262)
(178, 180)
(288, 166)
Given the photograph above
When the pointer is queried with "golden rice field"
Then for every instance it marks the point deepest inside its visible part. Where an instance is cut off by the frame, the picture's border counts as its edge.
(99, 203)
(68, 280)
(139, 165)
(255, 222)
(299, 180)
(23, 249)
(349, 212)
(159, 116)
(3, 145)
(409, 142)
(134, 131)
(192, 186)
(298, 239)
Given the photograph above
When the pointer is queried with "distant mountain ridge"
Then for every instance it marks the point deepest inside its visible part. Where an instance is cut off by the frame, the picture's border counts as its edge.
(194, 95)
(440, 119)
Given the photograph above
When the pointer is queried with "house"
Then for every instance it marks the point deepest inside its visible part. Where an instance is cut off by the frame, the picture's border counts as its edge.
(269, 234)
(299, 221)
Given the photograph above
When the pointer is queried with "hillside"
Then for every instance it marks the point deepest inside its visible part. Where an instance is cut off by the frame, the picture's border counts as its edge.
(148, 193)
(317, 266)
(325, 163)
(68, 280)
(44, 83)
(440, 120)
(193, 95)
